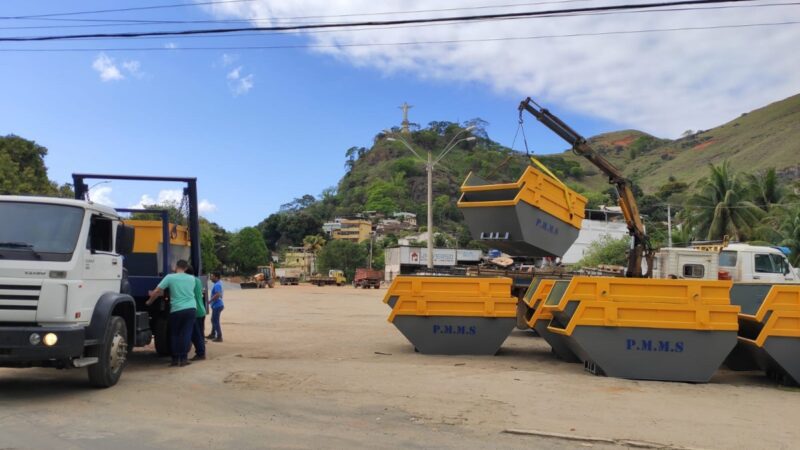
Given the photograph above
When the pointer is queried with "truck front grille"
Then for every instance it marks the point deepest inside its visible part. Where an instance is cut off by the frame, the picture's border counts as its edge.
(19, 297)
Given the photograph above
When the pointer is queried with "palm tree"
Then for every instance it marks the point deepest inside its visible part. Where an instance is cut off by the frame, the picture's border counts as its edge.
(766, 188)
(313, 244)
(721, 207)
(790, 229)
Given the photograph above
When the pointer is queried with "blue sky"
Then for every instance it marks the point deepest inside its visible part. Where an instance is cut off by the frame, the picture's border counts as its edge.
(259, 128)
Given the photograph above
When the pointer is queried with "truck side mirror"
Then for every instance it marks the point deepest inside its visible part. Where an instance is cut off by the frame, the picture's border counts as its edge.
(125, 237)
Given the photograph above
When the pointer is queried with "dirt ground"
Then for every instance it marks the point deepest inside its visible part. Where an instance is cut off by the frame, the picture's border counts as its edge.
(309, 367)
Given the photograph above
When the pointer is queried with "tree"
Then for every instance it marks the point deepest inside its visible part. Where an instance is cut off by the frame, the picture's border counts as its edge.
(284, 229)
(313, 244)
(721, 207)
(607, 250)
(174, 214)
(790, 230)
(22, 169)
(766, 188)
(248, 250)
(208, 252)
(298, 203)
(343, 255)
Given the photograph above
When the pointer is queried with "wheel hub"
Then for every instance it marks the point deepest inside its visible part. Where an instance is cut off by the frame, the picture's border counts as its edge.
(119, 352)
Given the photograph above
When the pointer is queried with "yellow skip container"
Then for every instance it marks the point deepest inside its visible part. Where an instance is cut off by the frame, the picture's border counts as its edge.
(147, 259)
(650, 329)
(769, 330)
(453, 315)
(541, 298)
(538, 215)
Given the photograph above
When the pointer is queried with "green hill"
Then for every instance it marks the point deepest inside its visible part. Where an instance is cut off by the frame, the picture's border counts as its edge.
(387, 178)
(765, 138)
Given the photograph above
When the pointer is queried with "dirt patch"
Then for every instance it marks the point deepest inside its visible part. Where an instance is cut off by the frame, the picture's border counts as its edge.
(624, 142)
(703, 145)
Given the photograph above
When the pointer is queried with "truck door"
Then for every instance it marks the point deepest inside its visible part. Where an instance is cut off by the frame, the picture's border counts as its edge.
(767, 268)
(729, 262)
(782, 264)
(102, 265)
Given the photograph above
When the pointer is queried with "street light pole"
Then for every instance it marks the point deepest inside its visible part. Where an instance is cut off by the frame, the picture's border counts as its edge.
(430, 209)
(429, 164)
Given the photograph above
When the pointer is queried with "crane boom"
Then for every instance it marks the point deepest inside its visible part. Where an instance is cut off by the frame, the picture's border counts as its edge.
(627, 201)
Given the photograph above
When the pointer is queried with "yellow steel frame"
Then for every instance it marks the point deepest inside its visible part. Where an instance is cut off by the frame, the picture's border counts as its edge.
(538, 190)
(648, 303)
(452, 296)
(782, 304)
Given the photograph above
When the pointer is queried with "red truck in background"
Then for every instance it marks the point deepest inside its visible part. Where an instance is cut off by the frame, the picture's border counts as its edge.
(367, 278)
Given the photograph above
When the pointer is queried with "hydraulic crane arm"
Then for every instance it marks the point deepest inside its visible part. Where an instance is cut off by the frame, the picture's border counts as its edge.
(627, 201)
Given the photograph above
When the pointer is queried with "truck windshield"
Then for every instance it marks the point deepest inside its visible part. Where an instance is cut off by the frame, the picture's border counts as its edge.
(38, 231)
(771, 264)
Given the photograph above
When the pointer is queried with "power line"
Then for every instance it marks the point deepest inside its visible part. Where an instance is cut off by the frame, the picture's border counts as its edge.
(397, 27)
(384, 44)
(257, 19)
(459, 19)
(136, 8)
(643, 11)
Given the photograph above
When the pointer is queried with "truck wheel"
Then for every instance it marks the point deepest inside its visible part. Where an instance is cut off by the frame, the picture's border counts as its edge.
(161, 335)
(112, 354)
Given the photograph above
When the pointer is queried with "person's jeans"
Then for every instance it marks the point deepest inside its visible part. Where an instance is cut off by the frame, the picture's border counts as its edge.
(181, 324)
(216, 330)
(198, 336)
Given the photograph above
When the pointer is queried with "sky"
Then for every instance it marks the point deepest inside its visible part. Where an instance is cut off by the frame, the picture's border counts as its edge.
(259, 127)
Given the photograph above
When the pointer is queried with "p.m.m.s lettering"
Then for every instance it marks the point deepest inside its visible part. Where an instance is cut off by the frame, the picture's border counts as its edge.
(650, 345)
(457, 330)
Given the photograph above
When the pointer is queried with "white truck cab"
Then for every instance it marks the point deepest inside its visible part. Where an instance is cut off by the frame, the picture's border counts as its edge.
(756, 264)
(61, 283)
(739, 262)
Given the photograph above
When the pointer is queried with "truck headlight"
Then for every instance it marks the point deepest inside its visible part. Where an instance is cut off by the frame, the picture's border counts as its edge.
(50, 339)
(35, 339)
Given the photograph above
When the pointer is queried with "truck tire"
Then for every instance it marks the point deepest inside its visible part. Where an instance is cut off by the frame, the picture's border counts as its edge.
(112, 355)
(161, 336)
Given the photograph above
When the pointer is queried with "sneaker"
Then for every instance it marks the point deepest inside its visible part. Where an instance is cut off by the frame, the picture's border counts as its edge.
(174, 364)
(199, 358)
(211, 336)
(185, 363)
(216, 340)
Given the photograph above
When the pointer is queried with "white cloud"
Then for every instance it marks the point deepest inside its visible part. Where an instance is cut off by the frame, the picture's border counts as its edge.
(240, 84)
(101, 195)
(133, 67)
(108, 69)
(235, 73)
(206, 207)
(172, 197)
(104, 65)
(228, 58)
(663, 82)
(171, 45)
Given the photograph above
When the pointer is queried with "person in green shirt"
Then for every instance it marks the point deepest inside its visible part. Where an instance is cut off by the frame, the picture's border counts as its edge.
(182, 310)
(198, 331)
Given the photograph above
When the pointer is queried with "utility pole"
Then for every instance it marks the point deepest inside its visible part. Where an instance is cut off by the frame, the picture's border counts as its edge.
(371, 234)
(429, 164)
(430, 209)
(669, 225)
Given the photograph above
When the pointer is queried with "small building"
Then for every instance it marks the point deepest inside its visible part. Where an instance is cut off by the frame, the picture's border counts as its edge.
(407, 218)
(299, 258)
(330, 227)
(354, 230)
(406, 260)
